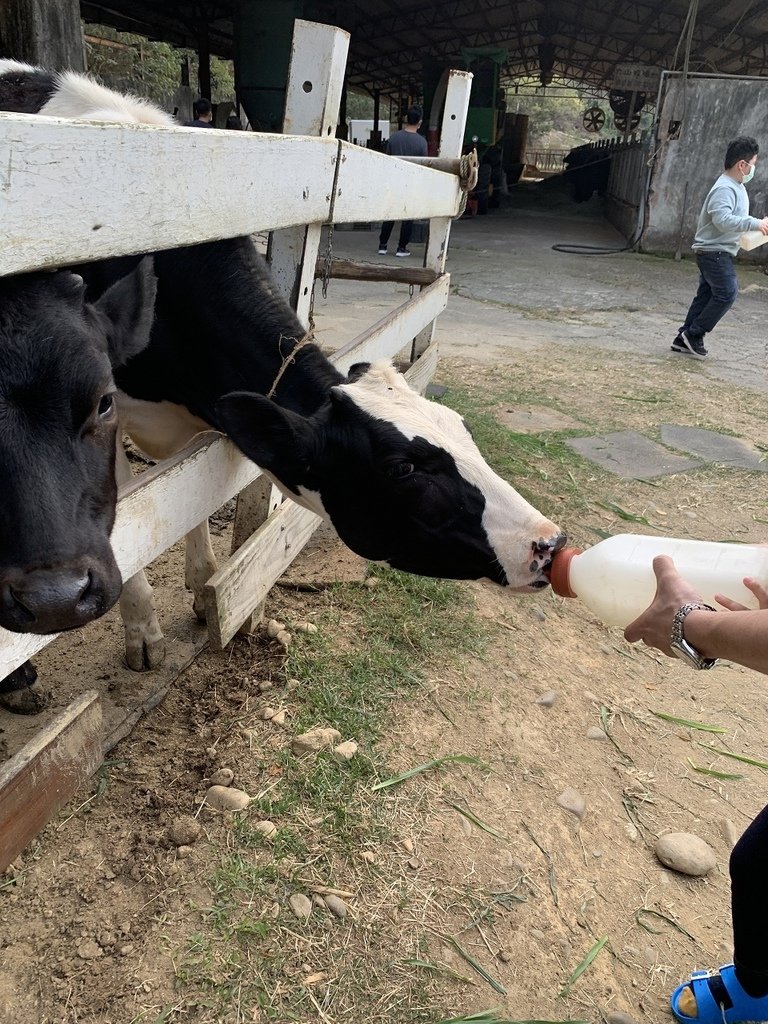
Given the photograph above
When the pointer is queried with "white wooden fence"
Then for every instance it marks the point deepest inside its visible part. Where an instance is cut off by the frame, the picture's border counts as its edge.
(72, 192)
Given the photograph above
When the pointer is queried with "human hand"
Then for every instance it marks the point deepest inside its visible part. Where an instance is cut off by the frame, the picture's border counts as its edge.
(752, 585)
(764, 226)
(654, 626)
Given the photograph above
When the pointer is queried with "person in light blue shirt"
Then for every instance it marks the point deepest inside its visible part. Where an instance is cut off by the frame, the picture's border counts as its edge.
(723, 219)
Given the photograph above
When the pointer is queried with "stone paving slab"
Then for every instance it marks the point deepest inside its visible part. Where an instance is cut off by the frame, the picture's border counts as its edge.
(714, 447)
(534, 419)
(631, 456)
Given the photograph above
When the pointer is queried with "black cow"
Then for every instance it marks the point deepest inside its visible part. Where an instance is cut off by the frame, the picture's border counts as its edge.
(399, 477)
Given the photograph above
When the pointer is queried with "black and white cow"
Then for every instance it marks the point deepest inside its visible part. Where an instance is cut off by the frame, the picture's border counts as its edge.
(399, 477)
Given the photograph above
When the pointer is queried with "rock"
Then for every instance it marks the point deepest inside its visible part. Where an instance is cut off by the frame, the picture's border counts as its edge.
(284, 637)
(300, 905)
(267, 828)
(182, 852)
(293, 684)
(89, 950)
(345, 751)
(730, 832)
(368, 856)
(539, 614)
(407, 845)
(413, 864)
(266, 714)
(224, 798)
(547, 699)
(536, 933)
(336, 906)
(594, 732)
(685, 853)
(264, 685)
(619, 1018)
(504, 956)
(223, 777)
(318, 900)
(278, 718)
(306, 627)
(314, 740)
(274, 627)
(571, 800)
(184, 831)
(372, 582)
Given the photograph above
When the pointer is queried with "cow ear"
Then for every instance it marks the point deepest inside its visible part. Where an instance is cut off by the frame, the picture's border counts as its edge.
(356, 371)
(276, 439)
(128, 308)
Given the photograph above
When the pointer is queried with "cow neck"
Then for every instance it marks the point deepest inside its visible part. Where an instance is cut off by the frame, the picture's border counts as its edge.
(305, 379)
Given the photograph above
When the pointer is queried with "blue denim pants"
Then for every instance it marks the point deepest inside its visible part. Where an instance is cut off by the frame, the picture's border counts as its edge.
(718, 288)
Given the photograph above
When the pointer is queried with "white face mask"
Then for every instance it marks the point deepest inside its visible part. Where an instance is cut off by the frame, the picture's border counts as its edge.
(749, 176)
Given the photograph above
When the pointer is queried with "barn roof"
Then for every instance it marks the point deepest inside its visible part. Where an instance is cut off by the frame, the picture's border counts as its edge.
(583, 40)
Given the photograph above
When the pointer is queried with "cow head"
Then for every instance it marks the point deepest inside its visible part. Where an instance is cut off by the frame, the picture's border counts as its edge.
(401, 480)
(58, 427)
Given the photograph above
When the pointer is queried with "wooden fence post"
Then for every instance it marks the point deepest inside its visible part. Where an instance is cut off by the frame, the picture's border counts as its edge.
(451, 143)
(313, 96)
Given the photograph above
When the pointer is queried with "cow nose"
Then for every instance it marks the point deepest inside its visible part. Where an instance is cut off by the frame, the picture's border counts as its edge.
(544, 550)
(48, 600)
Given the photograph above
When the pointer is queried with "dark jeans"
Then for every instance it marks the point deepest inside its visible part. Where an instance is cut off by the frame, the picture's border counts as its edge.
(717, 292)
(749, 901)
(406, 230)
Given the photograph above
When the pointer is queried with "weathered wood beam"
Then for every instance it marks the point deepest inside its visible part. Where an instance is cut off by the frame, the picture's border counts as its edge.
(353, 270)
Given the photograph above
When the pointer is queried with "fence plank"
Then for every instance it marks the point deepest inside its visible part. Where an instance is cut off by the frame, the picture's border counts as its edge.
(100, 169)
(47, 772)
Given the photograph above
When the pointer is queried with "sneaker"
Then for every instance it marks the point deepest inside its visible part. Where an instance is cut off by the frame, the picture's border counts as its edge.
(382, 250)
(688, 346)
(403, 252)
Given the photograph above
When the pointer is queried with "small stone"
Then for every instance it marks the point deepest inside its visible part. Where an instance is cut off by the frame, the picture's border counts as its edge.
(619, 1018)
(336, 906)
(345, 751)
(318, 900)
(225, 798)
(126, 949)
(274, 627)
(597, 854)
(547, 699)
(686, 853)
(182, 852)
(539, 614)
(372, 582)
(368, 856)
(284, 638)
(266, 714)
(413, 864)
(407, 845)
(184, 830)
(267, 828)
(212, 753)
(314, 740)
(536, 933)
(631, 831)
(223, 777)
(264, 685)
(89, 950)
(278, 718)
(504, 956)
(730, 832)
(293, 684)
(300, 905)
(594, 732)
(571, 800)
(306, 627)
(591, 696)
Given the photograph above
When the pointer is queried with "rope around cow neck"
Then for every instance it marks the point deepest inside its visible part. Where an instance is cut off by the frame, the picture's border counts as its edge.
(307, 339)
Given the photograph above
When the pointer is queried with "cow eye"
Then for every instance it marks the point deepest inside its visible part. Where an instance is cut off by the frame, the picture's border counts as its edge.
(401, 469)
(106, 405)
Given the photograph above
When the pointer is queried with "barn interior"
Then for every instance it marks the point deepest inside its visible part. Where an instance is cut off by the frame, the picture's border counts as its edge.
(663, 84)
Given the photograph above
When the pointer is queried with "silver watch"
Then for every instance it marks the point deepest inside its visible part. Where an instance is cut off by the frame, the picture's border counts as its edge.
(680, 645)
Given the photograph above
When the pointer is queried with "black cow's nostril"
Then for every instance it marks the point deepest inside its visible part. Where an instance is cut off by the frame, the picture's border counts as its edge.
(26, 614)
(549, 546)
(87, 588)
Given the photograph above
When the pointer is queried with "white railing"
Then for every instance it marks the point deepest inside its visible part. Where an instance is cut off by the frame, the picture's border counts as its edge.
(73, 192)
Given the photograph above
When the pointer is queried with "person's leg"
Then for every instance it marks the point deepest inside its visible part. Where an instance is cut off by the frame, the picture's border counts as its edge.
(700, 299)
(406, 230)
(386, 231)
(749, 907)
(718, 270)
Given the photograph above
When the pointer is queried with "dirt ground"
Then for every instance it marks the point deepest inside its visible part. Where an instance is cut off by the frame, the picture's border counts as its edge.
(104, 920)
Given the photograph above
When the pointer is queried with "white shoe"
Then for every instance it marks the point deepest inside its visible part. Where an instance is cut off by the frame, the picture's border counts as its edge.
(382, 250)
(403, 252)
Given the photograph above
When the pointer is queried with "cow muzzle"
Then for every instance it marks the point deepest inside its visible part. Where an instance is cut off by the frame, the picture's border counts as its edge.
(54, 599)
(542, 552)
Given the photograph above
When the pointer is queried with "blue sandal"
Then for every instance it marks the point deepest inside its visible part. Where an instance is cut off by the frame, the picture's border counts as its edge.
(712, 1009)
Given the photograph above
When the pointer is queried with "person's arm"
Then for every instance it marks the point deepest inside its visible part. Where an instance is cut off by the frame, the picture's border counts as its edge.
(721, 208)
(737, 634)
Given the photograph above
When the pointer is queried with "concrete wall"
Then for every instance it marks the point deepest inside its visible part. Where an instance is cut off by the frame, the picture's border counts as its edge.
(713, 111)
